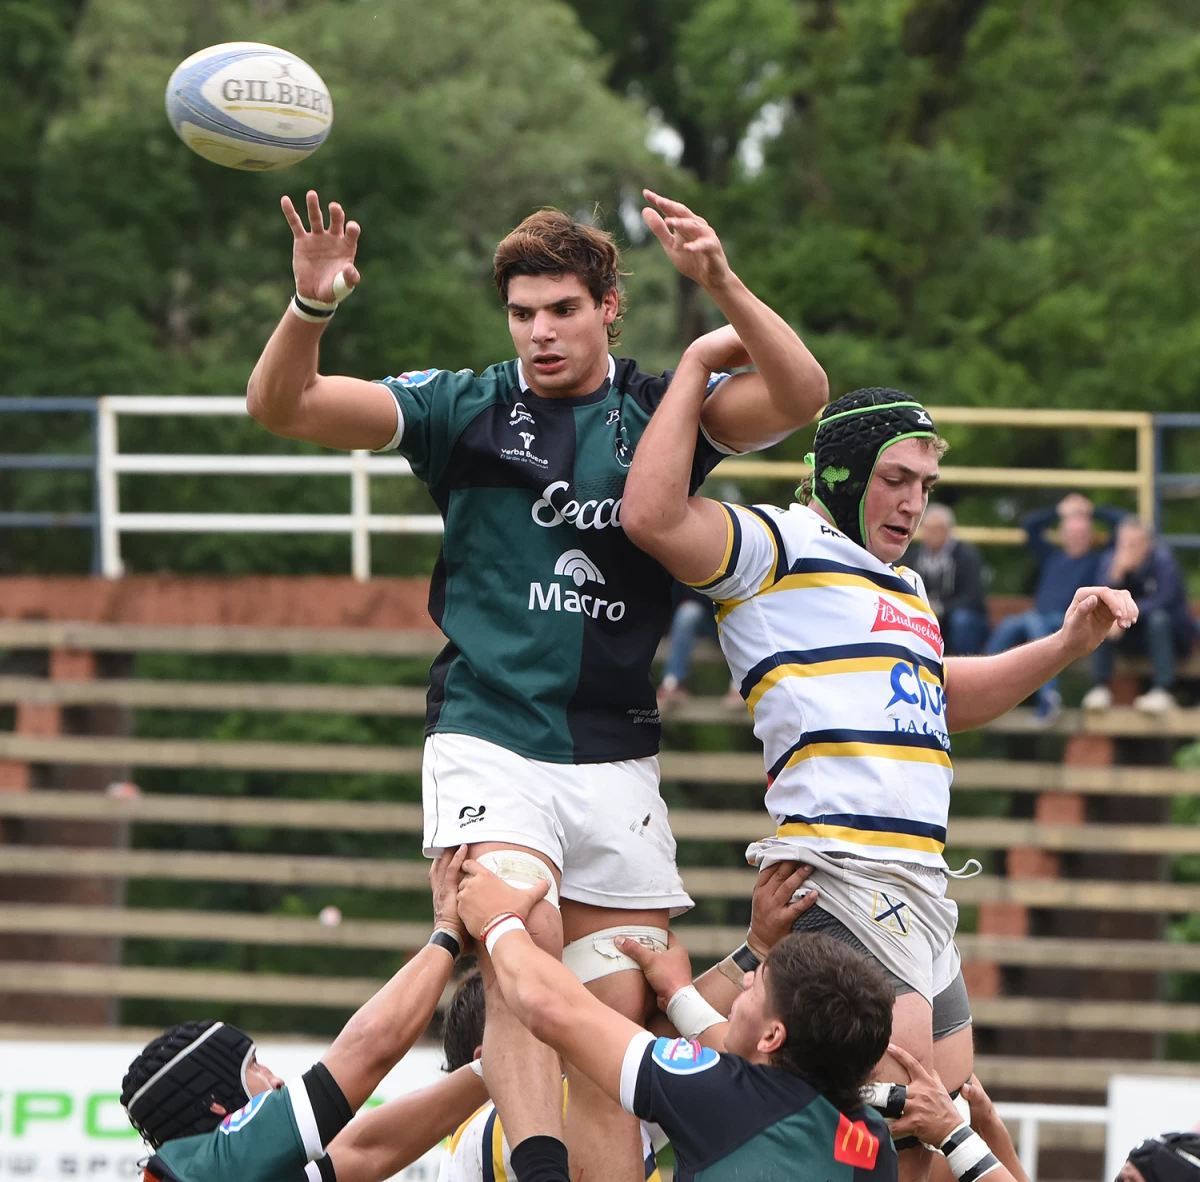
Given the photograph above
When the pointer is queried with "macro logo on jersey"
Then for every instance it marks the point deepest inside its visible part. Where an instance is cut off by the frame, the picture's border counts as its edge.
(855, 1144)
(580, 569)
(416, 377)
(889, 618)
(683, 1056)
(557, 505)
(236, 1121)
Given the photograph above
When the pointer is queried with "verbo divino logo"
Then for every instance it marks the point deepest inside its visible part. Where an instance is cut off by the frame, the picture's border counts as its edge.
(557, 505)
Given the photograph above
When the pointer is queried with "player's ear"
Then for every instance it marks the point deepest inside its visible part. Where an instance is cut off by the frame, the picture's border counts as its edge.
(610, 303)
(773, 1038)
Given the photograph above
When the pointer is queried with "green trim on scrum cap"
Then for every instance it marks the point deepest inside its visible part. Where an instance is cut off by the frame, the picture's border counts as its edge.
(862, 505)
(863, 410)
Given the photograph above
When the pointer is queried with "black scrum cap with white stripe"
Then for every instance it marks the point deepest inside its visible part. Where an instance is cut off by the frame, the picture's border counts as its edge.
(170, 1088)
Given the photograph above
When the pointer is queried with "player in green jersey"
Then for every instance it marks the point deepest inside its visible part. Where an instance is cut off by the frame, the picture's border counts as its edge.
(542, 726)
(213, 1113)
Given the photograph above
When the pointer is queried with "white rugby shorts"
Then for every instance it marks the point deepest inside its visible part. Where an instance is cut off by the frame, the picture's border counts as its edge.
(604, 825)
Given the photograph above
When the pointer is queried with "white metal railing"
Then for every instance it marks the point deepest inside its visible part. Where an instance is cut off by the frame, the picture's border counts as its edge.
(1029, 1117)
(360, 523)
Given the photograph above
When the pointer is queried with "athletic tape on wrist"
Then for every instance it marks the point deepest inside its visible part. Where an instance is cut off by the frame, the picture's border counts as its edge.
(690, 1014)
(746, 958)
(476, 1065)
(511, 923)
(968, 1155)
(445, 938)
(316, 311)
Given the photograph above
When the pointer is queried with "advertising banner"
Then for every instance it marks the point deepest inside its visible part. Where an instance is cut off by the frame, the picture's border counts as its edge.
(61, 1116)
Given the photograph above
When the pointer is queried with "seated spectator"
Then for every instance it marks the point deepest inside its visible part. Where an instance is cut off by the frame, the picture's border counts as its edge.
(1148, 571)
(954, 577)
(1169, 1157)
(1062, 570)
(693, 618)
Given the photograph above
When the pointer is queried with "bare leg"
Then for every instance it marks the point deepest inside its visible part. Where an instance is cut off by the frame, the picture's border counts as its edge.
(953, 1060)
(912, 1029)
(603, 1140)
(522, 1074)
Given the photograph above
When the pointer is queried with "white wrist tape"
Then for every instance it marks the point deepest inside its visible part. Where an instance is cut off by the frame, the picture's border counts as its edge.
(968, 1155)
(512, 924)
(316, 311)
(690, 1014)
(476, 1065)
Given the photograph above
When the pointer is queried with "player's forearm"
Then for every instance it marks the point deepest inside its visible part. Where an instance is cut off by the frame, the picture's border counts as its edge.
(286, 368)
(795, 381)
(380, 1143)
(718, 990)
(387, 1025)
(979, 689)
(655, 501)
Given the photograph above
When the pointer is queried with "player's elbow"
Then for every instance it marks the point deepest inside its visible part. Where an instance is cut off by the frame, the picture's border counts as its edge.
(268, 409)
(642, 520)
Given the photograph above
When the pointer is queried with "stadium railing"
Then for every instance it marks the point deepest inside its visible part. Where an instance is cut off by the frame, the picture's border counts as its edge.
(110, 521)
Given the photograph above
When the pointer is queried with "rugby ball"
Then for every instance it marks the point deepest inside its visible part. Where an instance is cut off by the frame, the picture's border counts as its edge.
(249, 106)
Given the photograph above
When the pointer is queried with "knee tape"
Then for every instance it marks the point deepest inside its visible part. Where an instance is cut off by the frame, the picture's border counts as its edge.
(596, 955)
(519, 869)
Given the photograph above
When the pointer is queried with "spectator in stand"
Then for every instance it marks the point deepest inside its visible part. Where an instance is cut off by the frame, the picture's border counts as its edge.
(1148, 571)
(693, 617)
(954, 577)
(1062, 570)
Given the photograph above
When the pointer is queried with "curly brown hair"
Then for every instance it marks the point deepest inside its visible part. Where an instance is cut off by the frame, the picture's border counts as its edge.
(550, 242)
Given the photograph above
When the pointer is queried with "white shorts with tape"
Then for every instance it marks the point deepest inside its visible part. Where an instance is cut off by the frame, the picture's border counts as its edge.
(603, 825)
(899, 911)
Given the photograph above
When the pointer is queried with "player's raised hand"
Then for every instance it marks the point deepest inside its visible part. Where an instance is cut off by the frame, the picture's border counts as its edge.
(929, 1113)
(777, 903)
(443, 881)
(482, 896)
(322, 257)
(1093, 612)
(666, 972)
(690, 242)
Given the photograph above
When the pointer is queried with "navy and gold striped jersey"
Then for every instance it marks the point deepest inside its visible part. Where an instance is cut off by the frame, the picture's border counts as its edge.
(839, 658)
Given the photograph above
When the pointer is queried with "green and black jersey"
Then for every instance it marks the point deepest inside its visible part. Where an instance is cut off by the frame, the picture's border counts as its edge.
(552, 614)
(729, 1119)
(274, 1138)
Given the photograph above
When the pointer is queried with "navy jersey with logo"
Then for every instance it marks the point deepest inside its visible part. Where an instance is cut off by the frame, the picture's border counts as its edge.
(729, 1119)
(551, 613)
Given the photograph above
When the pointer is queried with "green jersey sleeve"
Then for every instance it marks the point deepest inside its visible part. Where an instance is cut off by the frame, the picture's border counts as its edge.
(435, 405)
(271, 1139)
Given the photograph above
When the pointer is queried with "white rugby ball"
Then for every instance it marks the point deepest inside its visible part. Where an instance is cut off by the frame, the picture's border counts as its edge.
(249, 106)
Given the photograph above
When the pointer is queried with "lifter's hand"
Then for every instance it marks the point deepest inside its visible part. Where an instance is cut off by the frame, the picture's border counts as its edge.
(690, 242)
(482, 896)
(929, 1113)
(773, 910)
(443, 881)
(666, 972)
(1093, 612)
(320, 255)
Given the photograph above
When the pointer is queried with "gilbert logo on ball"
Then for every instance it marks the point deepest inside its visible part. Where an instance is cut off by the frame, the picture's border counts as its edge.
(249, 106)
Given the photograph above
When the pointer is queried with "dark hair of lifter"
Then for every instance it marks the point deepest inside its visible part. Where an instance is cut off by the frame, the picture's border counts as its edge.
(462, 1032)
(550, 242)
(837, 1007)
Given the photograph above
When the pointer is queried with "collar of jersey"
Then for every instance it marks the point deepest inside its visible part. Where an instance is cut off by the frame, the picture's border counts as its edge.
(585, 400)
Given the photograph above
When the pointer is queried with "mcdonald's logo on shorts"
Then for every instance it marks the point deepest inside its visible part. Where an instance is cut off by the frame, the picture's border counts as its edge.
(856, 1145)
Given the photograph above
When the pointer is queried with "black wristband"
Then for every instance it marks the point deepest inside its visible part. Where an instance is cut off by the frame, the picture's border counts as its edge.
(745, 959)
(448, 941)
(540, 1159)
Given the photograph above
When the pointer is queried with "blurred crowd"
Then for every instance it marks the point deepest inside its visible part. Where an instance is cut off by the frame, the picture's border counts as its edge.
(1074, 544)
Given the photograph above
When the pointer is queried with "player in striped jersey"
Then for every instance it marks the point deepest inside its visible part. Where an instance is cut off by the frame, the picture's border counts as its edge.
(840, 660)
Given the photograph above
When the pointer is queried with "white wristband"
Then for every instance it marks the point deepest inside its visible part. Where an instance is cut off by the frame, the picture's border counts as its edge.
(316, 311)
(476, 1065)
(690, 1014)
(511, 924)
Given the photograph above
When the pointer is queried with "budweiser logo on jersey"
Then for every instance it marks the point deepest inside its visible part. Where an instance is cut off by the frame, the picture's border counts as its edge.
(889, 618)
